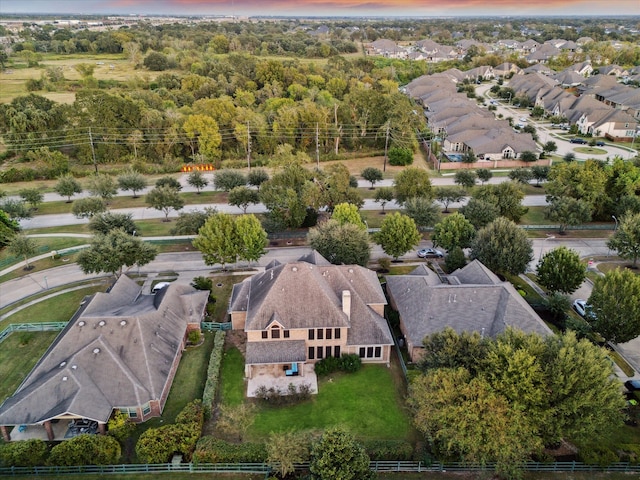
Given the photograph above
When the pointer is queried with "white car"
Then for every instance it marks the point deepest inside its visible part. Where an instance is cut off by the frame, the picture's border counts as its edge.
(522, 119)
(159, 286)
(581, 306)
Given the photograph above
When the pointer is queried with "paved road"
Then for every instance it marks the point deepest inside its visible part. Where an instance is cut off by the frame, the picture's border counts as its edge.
(138, 213)
(191, 264)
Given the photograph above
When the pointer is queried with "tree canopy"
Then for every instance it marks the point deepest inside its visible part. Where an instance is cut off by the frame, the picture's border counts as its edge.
(397, 235)
(453, 231)
(503, 247)
(341, 244)
(561, 270)
(626, 238)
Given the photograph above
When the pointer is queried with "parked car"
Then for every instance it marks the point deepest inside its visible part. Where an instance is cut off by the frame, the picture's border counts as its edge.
(522, 119)
(581, 141)
(600, 143)
(632, 385)
(430, 253)
(581, 306)
(159, 286)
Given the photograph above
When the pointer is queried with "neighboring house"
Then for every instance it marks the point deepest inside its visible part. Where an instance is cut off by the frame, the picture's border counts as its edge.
(120, 351)
(615, 70)
(471, 299)
(568, 78)
(615, 125)
(387, 48)
(297, 313)
(506, 69)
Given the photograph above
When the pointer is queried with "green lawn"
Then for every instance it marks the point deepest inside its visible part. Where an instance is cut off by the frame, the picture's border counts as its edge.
(232, 377)
(19, 352)
(56, 309)
(367, 403)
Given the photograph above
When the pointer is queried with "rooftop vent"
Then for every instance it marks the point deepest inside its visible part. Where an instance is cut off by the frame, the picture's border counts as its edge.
(123, 323)
(96, 351)
(64, 379)
(102, 323)
(295, 269)
(62, 364)
(74, 367)
(82, 323)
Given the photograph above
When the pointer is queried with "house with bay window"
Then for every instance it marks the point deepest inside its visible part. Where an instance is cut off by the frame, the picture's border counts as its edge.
(298, 313)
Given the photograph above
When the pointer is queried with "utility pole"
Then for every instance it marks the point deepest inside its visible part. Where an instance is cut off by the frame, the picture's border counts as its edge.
(248, 147)
(317, 147)
(386, 145)
(93, 152)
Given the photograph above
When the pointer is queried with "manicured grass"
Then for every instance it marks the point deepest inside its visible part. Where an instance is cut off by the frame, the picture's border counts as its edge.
(80, 228)
(48, 244)
(19, 352)
(535, 216)
(56, 309)
(222, 286)
(231, 377)
(401, 270)
(366, 403)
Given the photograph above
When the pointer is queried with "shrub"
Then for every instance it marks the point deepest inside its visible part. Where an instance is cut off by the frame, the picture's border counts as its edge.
(400, 156)
(275, 396)
(86, 450)
(26, 453)
(202, 283)
(120, 427)
(213, 373)
(213, 450)
(597, 455)
(385, 264)
(399, 450)
(350, 363)
(194, 337)
(157, 445)
(327, 366)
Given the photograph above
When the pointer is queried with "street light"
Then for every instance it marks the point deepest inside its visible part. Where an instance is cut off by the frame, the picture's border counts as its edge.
(615, 220)
(549, 237)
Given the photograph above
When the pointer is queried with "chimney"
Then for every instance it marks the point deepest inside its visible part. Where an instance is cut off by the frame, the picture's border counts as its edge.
(346, 303)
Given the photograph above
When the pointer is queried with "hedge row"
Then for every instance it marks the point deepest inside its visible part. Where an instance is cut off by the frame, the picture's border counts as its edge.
(157, 445)
(213, 373)
(347, 363)
(395, 450)
(213, 450)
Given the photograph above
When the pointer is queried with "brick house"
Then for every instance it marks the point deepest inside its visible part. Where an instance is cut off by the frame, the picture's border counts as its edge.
(297, 313)
(120, 351)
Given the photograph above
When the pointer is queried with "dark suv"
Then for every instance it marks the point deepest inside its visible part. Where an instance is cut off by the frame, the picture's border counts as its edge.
(581, 141)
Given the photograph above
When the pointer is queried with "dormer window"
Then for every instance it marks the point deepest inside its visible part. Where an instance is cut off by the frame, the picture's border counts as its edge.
(275, 332)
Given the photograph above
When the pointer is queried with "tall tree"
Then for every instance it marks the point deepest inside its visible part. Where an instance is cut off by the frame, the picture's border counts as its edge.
(106, 221)
(88, 207)
(397, 235)
(16, 209)
(424, 211)
(256, 177)
(227, 179)
(448, 194)
(506, 197)
(204, 135)
(337, 456)
(113, 251)
(242, 197)
(197, 180)
(285, 450)
(582, 181)
(568, 211)
(348, 213)
(103, 186)
(67, 186)
(372, 175)
(626, 238)
(465, 178)
(503, 247)
(251, 237)
(23, 246)
(188, 223)
(479, 212)
(169, 182)
(218, 240)
(453, 231)
(412, 182)
(340, 244)
(561, 270)
(8, 228)
(132, 180)
(484, 175)
(383, 196)
(32, 196)
(164, 199)
(614, 307)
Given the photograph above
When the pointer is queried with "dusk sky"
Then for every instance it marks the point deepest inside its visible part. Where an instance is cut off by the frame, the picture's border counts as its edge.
(326, 7)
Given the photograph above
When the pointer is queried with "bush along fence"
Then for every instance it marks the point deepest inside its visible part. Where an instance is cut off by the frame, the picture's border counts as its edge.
(213, 373)
(263, 468)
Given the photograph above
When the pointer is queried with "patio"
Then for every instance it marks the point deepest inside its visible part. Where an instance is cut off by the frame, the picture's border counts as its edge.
(273, 375)
(38, 432)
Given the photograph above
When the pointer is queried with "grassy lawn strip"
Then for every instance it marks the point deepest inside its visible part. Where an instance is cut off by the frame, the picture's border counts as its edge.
(56, 309)
(366, 403)
(231, 376)
(19, 352)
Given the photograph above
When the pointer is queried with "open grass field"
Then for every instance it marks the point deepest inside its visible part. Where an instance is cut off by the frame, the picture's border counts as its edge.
(56, 309)
(232, 377)
(370, 407)
(19, 352)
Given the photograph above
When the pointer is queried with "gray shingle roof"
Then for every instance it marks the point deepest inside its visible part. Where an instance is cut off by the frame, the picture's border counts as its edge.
(118, 352)
(488, 306)
(287, 351)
